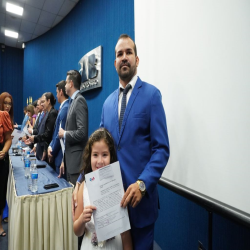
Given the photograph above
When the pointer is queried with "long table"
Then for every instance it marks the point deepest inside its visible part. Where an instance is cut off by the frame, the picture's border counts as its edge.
(41, 221)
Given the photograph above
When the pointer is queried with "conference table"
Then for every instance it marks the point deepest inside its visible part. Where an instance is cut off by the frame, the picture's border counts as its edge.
(41, 221)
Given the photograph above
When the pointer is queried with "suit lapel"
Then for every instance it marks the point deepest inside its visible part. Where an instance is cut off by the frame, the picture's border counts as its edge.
(131, 101)
(71, 107)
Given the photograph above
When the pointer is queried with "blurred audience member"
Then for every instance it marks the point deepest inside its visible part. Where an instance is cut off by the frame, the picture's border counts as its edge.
(25, 119)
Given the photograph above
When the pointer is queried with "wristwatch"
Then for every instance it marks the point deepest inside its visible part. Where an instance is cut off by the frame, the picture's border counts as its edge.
(142, 187)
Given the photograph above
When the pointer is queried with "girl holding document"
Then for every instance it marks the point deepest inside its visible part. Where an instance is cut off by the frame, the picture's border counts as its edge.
(99, 152)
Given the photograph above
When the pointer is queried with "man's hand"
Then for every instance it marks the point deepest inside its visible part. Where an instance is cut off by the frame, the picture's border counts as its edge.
(2, 155)
(61, 170)
(44, 156)
(33, 150)
(61, 133)
(50, 156)
(31, 138)
(24, 138)
(132, 196)
(30, 131)
(74, 199)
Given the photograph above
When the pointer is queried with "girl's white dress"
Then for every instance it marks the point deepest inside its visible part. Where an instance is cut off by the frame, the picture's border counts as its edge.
(113, 244)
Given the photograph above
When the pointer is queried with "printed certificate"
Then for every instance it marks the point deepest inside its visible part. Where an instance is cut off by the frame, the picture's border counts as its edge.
(106, 190)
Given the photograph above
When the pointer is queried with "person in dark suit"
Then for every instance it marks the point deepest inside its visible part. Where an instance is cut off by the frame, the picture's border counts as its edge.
(55, 154)
(46, 126)
(76, 129)
(139, 129)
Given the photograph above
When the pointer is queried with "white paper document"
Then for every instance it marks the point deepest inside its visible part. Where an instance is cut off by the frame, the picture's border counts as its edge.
(106, 190)
(25, 130)
(17, 134)
(61, 141)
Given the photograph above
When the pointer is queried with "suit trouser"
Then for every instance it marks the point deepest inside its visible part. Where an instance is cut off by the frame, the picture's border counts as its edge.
(143, 238)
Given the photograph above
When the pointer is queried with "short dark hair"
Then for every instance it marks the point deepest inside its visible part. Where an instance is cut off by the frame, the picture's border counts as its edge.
(122, 36)
(75, 76)
(50, 96)
(98, 135)
(61, 86)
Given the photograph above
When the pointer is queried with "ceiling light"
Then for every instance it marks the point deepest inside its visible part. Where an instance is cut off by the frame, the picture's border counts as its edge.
(11, 33)
(14, 9)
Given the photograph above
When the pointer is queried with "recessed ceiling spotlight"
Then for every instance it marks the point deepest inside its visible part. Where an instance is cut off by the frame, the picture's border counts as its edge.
(11, 34)
(14, 9)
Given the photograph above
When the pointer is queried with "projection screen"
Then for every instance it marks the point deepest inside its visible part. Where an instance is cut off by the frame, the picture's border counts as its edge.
(198, 54)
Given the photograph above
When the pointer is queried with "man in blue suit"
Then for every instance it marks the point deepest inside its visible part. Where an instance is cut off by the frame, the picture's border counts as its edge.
(136, 119)
(55, 154)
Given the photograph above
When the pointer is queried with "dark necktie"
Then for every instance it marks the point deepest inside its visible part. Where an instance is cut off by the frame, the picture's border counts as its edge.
(70, 102)
(37, 120)
(41, 117)
(124, 103)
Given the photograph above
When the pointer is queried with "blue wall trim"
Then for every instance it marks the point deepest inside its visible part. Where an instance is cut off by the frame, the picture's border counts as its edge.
(11, 78)
(181, 223)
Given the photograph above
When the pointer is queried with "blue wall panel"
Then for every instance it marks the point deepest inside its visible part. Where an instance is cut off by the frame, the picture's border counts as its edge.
(181, 223)
(90, 24)
(11, 78)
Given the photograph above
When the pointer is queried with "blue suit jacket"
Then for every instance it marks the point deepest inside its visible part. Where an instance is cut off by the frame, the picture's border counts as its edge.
(55, 143)
(142, 145)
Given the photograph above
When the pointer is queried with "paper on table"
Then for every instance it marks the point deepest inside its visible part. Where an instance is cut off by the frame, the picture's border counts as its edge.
(62, 142)
(17, 134)
(25, 130)
(105, 190)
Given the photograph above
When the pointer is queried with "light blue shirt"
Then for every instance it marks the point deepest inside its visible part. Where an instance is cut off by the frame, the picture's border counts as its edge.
(25, 119)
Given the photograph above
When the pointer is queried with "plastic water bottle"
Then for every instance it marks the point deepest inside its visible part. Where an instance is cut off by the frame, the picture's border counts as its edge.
(34, 179)
(19, 148)
(27, 168)
(23, 158)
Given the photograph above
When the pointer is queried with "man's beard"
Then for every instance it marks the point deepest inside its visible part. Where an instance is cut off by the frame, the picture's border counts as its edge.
(128, 74)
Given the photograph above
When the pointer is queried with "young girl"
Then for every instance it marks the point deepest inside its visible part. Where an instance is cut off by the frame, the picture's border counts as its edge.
(99, 152)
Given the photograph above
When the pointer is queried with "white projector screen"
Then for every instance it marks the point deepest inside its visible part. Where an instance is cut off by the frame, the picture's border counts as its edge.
(197, 52)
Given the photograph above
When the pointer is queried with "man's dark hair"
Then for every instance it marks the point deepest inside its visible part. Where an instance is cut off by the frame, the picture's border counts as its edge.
(122, 36)
(75, 76)
(61, 86)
